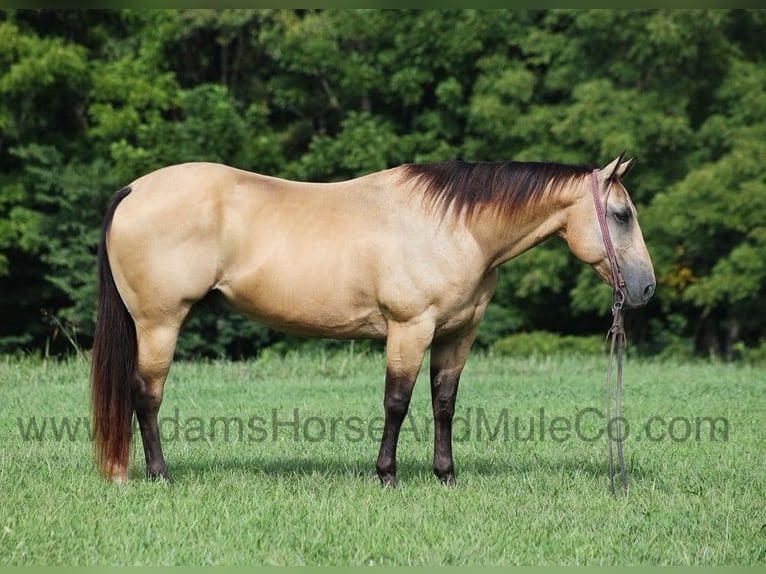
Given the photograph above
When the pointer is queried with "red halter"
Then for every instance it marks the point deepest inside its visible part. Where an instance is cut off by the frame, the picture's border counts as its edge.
(618, 283)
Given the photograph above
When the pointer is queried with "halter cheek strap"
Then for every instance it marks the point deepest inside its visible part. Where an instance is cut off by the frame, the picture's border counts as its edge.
(618, 283)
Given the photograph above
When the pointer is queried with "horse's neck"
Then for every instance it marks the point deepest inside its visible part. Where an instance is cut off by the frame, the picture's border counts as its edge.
(503, 238)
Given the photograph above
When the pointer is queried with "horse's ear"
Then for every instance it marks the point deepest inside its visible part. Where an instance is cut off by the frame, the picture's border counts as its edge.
(608, 173)
(624, 167)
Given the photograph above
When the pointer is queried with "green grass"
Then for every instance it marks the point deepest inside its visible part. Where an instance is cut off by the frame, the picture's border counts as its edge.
(256, 499)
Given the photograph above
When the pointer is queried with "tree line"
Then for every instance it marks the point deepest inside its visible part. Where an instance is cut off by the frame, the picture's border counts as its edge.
(92, 99)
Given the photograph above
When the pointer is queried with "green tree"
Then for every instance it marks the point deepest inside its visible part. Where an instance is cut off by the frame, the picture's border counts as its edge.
(43, 82)
(713, 230)
(90, 100)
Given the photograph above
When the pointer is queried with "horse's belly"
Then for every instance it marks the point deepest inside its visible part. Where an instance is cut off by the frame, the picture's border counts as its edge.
(318, 312)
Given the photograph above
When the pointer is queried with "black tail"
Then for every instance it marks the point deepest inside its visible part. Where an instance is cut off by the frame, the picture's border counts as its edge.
(114, 365)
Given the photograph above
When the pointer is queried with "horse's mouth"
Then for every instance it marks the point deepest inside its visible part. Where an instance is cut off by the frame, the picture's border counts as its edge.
(631, 300)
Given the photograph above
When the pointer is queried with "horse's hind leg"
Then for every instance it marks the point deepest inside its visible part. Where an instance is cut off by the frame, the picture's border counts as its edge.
(156, 345)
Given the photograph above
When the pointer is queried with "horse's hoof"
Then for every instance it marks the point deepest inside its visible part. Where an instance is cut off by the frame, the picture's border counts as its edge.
(446, 478)
(387, 480)
(157, 475)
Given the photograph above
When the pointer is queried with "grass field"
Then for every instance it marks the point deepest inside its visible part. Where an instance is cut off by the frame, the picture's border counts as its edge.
(273, 463)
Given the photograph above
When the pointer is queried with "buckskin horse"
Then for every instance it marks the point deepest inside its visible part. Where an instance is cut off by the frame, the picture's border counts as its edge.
(409, 254)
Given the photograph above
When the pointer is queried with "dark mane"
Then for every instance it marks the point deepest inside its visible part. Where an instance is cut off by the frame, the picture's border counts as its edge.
(505, 186)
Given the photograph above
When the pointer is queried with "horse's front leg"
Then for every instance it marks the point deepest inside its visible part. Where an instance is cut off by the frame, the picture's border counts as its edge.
(406, 345)
(447, 362)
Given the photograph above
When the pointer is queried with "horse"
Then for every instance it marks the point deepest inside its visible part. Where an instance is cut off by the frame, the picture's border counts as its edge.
(408, 254)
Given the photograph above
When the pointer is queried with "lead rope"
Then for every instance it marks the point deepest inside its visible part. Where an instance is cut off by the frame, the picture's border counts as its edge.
(616, 336)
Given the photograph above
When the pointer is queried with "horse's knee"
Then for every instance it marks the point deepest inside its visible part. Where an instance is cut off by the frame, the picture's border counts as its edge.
(397, 404)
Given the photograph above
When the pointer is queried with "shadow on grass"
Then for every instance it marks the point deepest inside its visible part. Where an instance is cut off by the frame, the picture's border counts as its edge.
(561, 465)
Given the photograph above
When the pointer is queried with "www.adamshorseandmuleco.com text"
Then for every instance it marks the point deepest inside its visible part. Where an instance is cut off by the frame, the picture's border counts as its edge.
(588, 424)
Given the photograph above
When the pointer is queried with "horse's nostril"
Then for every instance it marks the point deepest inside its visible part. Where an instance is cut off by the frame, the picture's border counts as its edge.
(649, 290)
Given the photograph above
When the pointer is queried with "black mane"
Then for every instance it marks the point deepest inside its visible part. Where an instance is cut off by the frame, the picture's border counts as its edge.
(505, 186)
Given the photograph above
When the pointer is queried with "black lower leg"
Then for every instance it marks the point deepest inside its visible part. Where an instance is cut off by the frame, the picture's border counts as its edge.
(396, 404)
(443, 394)
(146, 412)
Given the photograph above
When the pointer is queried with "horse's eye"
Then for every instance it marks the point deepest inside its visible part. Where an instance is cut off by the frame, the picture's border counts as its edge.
(622, 216)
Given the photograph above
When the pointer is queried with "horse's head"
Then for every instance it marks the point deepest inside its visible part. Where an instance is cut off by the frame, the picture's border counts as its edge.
(584, 235)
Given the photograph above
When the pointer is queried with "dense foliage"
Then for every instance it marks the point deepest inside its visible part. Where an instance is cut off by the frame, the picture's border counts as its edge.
(90, 100)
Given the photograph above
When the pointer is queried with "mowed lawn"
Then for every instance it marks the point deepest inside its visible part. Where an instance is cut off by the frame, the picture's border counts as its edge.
(272, 462)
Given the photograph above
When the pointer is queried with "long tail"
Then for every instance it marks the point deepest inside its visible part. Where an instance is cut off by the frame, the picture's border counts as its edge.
(114, 365)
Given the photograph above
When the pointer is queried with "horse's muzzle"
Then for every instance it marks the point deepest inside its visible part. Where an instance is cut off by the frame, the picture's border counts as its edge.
(644, 294)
